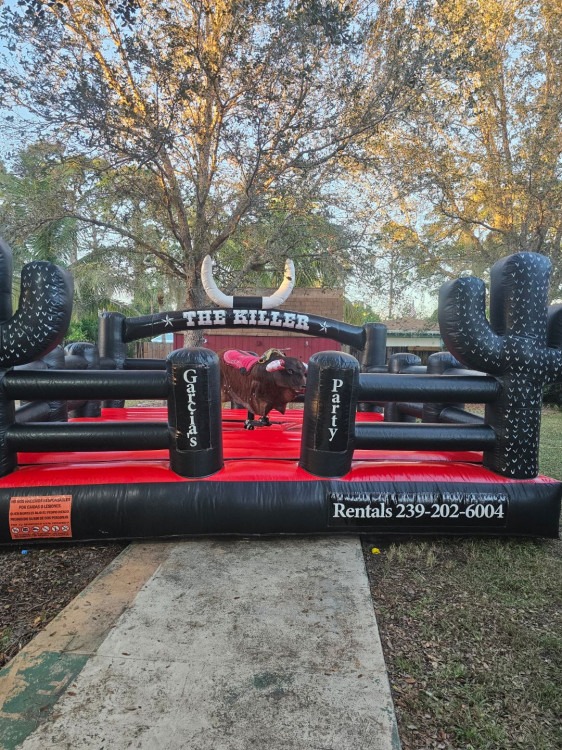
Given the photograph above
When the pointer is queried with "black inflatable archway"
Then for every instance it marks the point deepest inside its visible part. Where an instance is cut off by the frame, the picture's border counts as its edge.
(190, 469)
(240, 319)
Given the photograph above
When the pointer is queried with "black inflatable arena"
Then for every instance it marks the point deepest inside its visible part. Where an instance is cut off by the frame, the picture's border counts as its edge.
(378, 447)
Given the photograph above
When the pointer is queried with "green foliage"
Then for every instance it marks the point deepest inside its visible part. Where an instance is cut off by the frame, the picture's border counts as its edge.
(84, 329)
(254, 256)
(475, 167)
(199, 115)
(46, 197)
(552, 395)
(358, 313)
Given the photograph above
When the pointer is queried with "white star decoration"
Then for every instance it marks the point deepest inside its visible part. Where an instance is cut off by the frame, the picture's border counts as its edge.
(168, 321)
(324, 326)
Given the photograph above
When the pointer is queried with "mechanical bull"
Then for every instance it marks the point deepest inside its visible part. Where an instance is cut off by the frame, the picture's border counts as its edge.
(261, 384)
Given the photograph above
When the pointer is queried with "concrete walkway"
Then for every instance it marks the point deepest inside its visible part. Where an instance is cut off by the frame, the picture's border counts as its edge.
(209, 645)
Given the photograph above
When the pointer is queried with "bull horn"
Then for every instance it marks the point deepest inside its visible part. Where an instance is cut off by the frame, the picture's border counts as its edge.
(278, 297)
(209, 285)
(277, 364)
(267, 303)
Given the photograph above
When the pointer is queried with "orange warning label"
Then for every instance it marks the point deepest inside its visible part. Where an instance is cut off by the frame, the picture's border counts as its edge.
(40, 517)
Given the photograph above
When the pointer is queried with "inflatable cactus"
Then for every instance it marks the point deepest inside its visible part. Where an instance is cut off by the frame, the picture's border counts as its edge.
(43, 313)
(520, 346)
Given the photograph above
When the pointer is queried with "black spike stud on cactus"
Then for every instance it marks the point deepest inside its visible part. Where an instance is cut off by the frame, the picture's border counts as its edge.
(43, 313)
(520, 345)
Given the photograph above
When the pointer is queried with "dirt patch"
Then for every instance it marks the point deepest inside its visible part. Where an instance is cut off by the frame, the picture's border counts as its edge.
(37, 582)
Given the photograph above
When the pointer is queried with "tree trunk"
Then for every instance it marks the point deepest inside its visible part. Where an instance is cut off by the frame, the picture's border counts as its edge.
(195, 299)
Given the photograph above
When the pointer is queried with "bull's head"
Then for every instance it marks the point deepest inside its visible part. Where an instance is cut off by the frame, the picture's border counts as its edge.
(289, 372)
(265, 303)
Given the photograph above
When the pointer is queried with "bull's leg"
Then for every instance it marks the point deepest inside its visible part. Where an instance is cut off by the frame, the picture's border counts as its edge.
(251, 422)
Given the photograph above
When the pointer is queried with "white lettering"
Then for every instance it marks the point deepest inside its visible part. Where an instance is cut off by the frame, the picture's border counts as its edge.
(275, 319)
(263, 317)
(240, 317)
(289, 321)
(336, 384)
(190, 378)
(339, 509)
(189, 315)
(219, 317)
(332, 431)
(252, 317)
(204, 318)
(302, 323)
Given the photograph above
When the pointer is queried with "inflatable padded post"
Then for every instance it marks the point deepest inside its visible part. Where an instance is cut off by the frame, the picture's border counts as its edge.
(554, 326)
(43, 411)
(374, 358)
(437, 364)
(328, 432)
(112, 348)
(110, 338)
(374, 353)
(397, 363)
(513, 346)
(400, 362)
(90, 354)
(194, 412)
(58, 410)
(55, 359)
(8, 457)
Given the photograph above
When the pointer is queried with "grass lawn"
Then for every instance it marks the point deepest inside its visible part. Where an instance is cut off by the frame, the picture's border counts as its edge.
(472, 632)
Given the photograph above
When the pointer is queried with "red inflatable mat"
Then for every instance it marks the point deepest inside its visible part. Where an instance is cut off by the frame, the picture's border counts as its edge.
(280, 441)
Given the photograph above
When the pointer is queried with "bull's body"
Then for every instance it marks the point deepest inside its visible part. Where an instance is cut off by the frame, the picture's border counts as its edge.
(258, 389)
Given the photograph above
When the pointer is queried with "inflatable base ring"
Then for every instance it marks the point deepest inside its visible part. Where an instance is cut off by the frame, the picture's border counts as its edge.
(262, 490)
